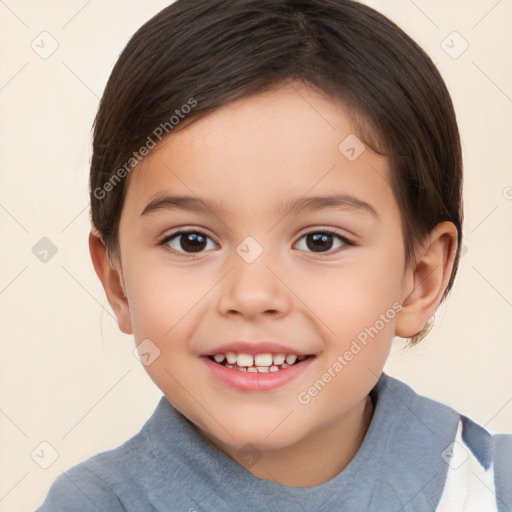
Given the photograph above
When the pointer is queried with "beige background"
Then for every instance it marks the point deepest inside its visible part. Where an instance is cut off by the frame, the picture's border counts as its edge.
(68, 377)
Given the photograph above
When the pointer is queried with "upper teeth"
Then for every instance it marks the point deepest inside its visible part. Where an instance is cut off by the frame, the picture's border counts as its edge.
(266, 359)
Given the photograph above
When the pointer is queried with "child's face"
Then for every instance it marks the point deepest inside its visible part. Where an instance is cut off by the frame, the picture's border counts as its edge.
(306, 295)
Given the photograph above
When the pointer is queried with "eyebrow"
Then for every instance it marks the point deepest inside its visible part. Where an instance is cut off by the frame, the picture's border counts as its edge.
(202, 205)
(187, 203)
(343, 201)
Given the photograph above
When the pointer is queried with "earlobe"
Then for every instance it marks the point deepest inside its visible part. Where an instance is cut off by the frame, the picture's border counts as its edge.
(426, 280)
(111, 280)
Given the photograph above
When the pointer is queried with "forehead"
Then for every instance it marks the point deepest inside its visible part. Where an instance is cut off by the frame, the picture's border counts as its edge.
(262, 151)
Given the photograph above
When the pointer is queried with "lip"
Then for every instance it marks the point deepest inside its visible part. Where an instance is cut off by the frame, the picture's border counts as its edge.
(255, 382)
(253, 348)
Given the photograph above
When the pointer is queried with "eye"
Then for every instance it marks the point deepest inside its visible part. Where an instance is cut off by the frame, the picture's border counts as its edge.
(192, 241)
(321, 241)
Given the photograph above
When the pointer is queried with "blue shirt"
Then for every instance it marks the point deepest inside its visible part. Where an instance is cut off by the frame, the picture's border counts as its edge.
(417, 455)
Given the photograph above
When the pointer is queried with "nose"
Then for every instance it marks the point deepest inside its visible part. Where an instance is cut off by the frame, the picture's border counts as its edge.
(252, 290)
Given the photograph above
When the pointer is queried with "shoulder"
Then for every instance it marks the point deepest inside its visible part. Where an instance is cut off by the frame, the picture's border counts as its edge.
(477, 464)
(105, 481)
(479, 473)
(489, 454)
(80, 489)
(148, 472)
(502, 451)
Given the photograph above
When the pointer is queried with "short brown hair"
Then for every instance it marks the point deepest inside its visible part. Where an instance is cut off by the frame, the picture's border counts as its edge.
(217, 51)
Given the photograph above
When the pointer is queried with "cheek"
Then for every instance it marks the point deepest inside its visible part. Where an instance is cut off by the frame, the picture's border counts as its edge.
(349, 298)
(163, 309)
(160, 299)
(359, 316)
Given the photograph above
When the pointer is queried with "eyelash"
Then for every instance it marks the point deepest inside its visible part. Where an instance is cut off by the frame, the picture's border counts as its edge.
(165, 241)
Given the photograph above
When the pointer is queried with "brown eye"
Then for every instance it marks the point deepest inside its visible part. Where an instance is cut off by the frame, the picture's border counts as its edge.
(321, 241)
(189, 242)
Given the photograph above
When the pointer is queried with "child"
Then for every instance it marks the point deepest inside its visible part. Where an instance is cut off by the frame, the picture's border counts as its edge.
(276, 194)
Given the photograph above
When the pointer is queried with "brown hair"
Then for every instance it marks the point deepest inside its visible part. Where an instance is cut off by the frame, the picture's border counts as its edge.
(204, 54)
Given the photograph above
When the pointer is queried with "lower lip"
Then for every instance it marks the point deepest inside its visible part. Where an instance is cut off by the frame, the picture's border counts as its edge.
(254, 381)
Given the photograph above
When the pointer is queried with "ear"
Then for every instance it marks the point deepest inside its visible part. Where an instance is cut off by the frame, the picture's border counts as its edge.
(112, 281)
(426, 279)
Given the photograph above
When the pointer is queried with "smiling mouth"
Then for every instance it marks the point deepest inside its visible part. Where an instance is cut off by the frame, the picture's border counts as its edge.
(259, 363)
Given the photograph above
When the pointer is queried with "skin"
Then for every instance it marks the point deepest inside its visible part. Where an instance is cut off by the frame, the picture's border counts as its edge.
(250, 155)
